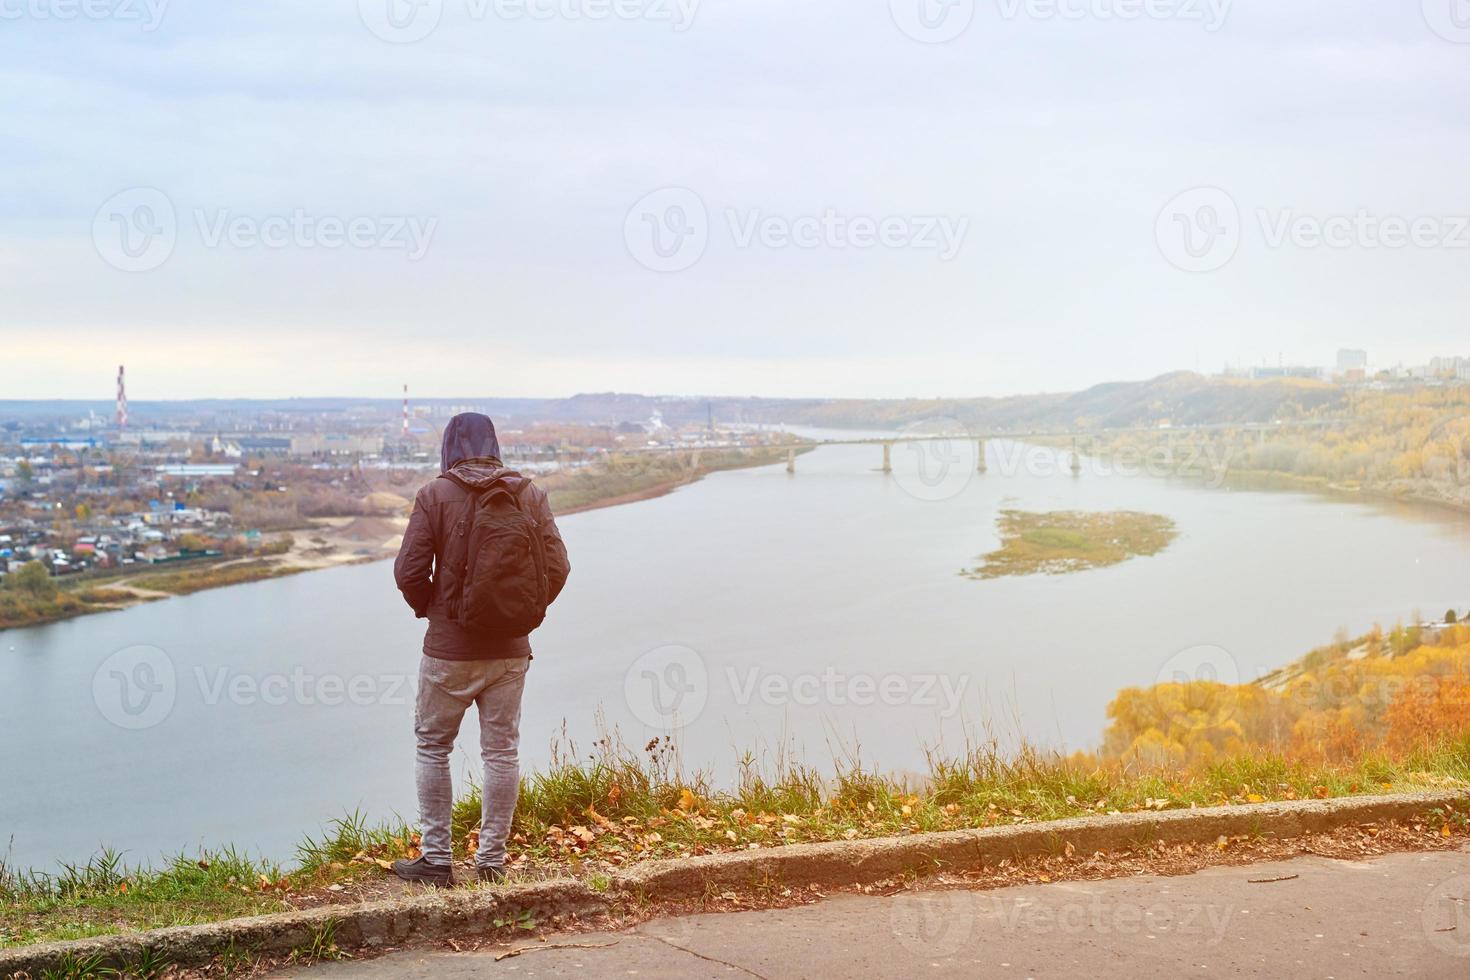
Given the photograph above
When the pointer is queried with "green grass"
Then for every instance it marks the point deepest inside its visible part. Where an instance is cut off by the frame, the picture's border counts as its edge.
(1071, 541)
(588, 815)
(190, 579)
(105, 896)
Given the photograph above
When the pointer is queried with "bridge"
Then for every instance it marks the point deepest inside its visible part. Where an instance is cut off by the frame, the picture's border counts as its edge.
(1077, 437)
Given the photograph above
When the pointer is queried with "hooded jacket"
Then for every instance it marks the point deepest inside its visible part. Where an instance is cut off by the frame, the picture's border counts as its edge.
(432, 553)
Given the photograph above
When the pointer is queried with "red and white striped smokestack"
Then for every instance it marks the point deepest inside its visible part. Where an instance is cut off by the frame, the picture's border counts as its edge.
(122, 400)
(405, 411)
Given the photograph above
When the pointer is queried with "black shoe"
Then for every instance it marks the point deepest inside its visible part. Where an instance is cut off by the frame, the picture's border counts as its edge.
(421, 870)
(492, 875)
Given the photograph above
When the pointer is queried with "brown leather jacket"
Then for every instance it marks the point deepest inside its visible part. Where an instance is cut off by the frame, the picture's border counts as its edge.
(427, 568)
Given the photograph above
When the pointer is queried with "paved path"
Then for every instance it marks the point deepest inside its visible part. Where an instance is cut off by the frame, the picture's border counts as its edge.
(1400, 915)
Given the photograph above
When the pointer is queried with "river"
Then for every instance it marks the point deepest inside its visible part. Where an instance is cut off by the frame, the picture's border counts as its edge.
(821, 614)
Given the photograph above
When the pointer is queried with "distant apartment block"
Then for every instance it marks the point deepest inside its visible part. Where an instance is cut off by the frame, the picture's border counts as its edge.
(1351, 360)
(332, 444)
(1447, 367)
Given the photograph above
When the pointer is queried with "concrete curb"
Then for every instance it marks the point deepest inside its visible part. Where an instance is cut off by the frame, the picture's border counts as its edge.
(437, 915)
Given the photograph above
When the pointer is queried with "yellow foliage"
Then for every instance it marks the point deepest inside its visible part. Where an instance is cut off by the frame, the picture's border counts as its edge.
(1357, 696)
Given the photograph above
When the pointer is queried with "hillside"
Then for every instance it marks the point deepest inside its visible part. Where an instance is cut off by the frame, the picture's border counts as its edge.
(1183, 398)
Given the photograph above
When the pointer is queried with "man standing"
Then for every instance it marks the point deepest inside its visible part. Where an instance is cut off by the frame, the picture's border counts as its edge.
(468, 658)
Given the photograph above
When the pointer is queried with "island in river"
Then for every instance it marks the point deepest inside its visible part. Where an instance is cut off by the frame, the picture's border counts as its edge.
(1059, 542)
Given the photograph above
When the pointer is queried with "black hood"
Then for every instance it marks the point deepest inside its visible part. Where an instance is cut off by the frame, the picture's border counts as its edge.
(468, 436)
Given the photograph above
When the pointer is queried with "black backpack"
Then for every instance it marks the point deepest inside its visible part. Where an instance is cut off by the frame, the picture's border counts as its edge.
(503, 584)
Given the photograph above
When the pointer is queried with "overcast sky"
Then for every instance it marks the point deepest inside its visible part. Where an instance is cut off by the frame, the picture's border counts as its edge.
(824, 197)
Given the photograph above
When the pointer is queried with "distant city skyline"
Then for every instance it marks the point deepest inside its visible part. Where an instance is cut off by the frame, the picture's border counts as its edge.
(164, 388)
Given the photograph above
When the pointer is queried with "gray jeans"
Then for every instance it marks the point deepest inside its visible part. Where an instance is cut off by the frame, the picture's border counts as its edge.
(447, 688)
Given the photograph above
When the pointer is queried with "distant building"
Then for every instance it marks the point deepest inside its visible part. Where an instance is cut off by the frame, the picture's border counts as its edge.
(333, 444)
(1352, 360)
(64, 442)
(1447, 367)
(196, 469)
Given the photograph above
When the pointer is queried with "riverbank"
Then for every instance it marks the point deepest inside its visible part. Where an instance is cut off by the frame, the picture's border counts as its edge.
(337, 541)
